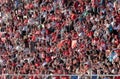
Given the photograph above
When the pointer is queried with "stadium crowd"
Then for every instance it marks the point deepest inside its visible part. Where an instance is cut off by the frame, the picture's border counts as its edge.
(59, 37)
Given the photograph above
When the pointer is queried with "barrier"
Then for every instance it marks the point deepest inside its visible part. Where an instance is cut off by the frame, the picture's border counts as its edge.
(56, 76)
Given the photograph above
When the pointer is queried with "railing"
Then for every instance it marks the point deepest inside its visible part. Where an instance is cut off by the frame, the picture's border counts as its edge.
(55, 76)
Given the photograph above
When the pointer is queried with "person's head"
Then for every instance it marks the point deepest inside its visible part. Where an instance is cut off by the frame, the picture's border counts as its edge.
(119, 11)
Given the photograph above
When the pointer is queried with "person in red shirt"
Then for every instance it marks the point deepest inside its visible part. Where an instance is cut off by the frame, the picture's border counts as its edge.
(95, 4)
(118, 17)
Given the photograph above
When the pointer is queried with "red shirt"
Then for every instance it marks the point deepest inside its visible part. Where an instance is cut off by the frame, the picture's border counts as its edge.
(90, 34)
(48, 59)
(66, 53)
(15, 77)
(31, 6)
(56, 77)
(73, 16)
(33, 38)
(118, 77)
(94, 3)
(65, 77)
(76, 5)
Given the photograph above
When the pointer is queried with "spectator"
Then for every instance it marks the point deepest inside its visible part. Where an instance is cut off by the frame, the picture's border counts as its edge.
(60, 37)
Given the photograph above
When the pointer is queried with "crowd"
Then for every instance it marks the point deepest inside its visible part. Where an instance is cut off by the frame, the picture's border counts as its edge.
(59, 37)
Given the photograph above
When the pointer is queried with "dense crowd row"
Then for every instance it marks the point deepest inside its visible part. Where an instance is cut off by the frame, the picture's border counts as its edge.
(60, 37)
